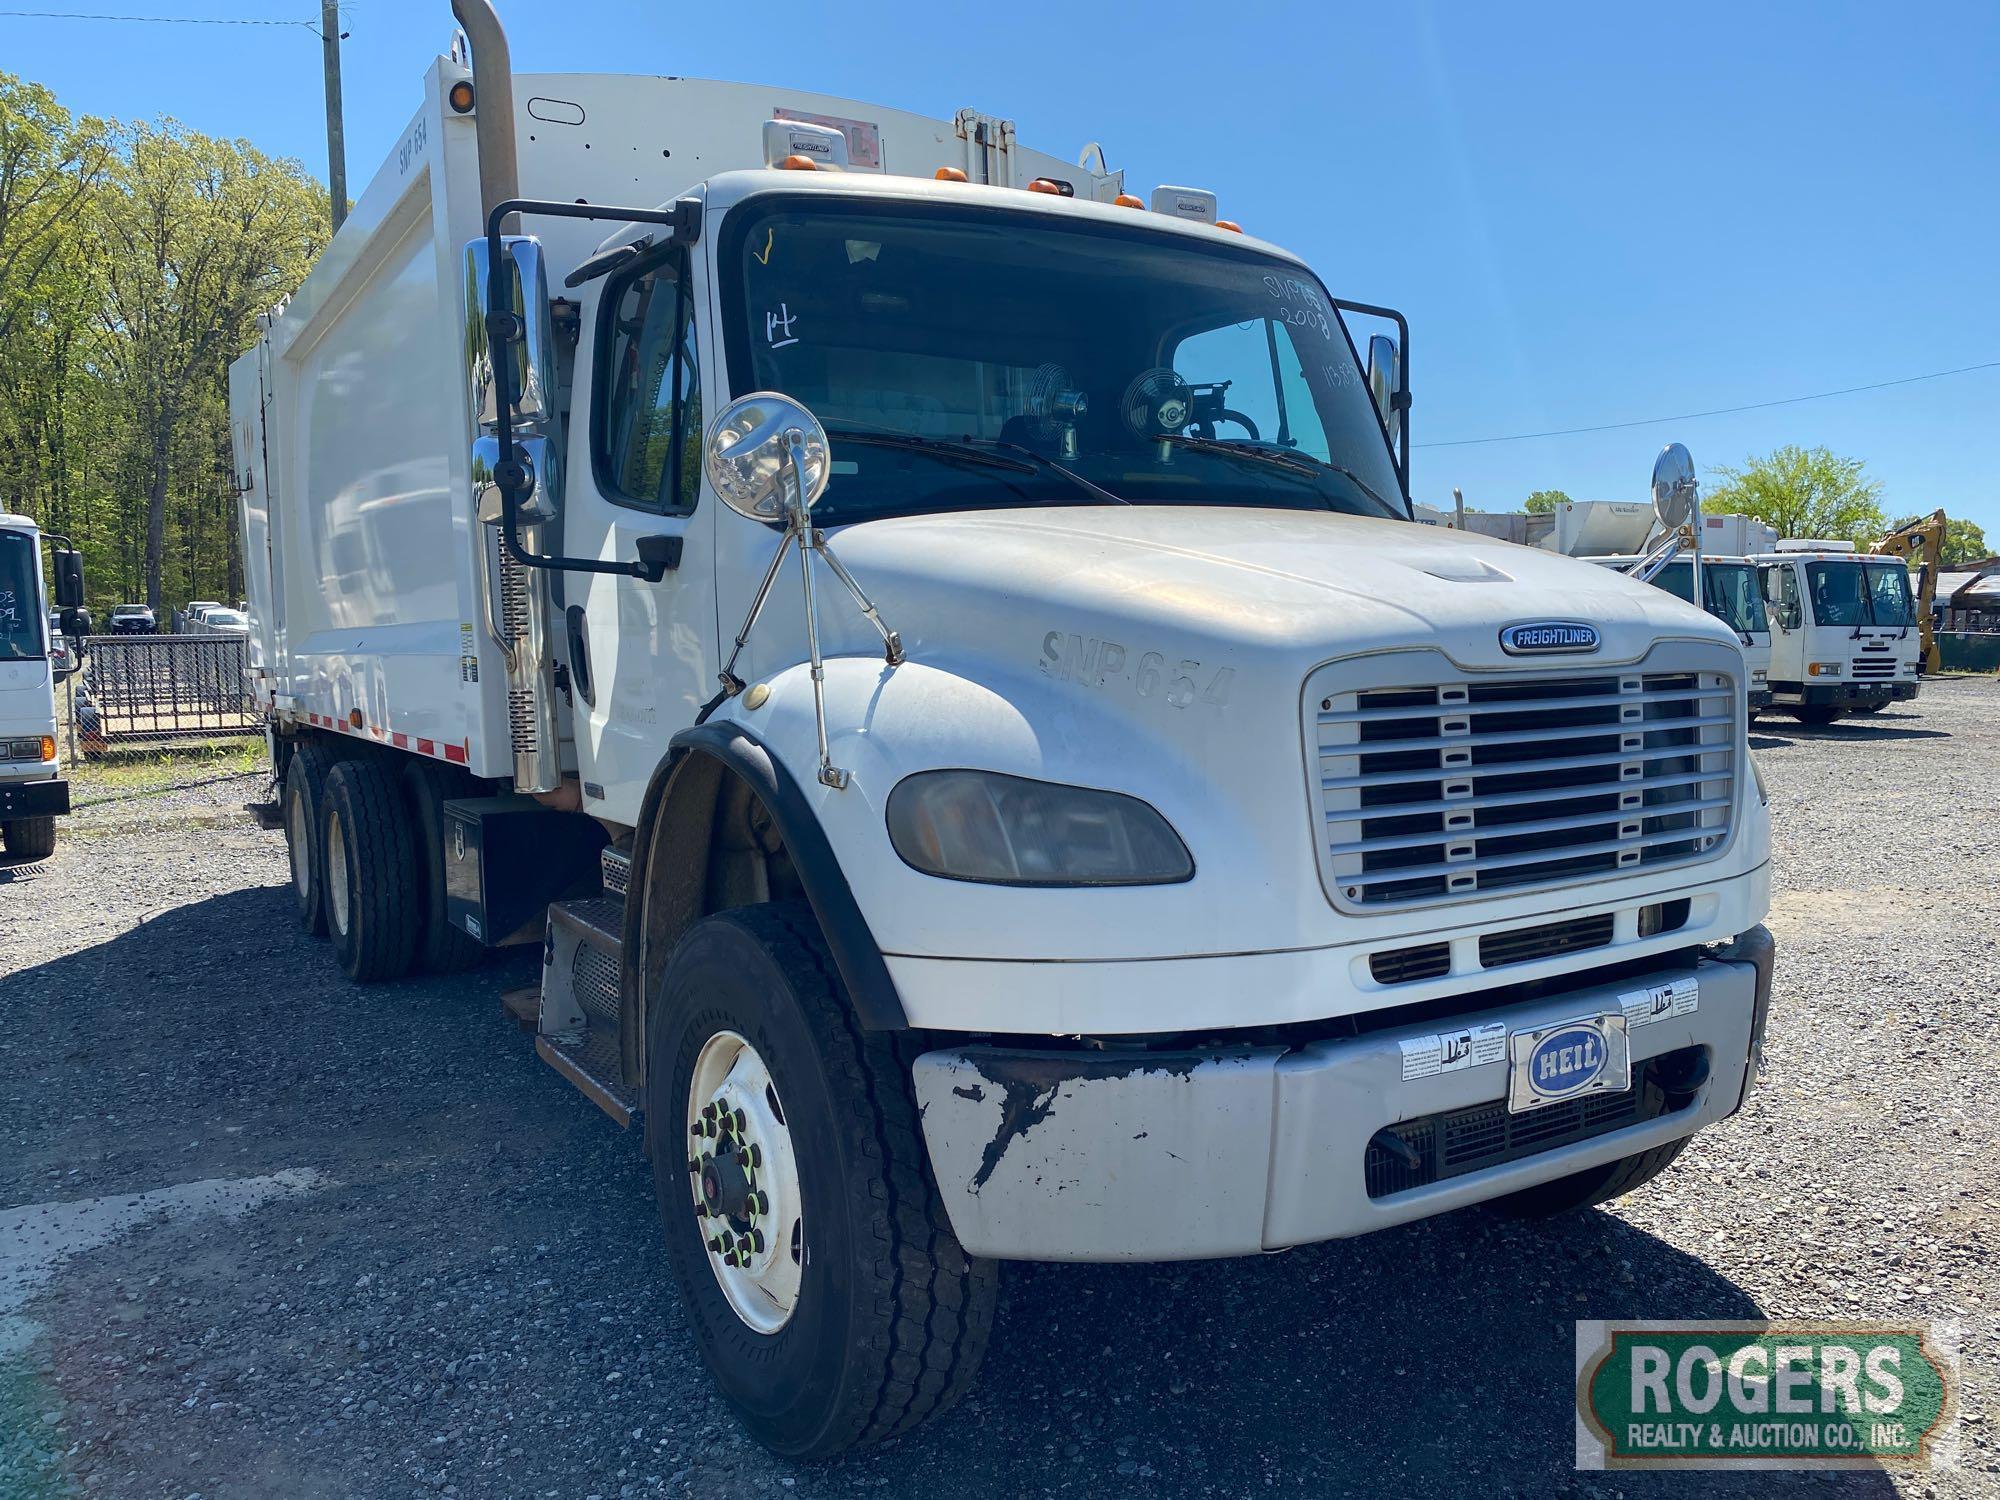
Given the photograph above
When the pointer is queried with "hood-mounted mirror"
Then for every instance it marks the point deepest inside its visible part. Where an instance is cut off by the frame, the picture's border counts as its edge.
(767, 457)
(1674, 487)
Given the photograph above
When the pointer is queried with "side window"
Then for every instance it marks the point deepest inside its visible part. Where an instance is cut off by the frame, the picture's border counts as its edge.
(647, 443)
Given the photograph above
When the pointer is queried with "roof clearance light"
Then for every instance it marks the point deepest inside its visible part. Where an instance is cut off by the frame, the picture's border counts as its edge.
(798, 164)
(1044, 185)
(1126, 200)
(1229, 224)
(1197, 204)
(460, 96)
(821, 145)
(951, 174)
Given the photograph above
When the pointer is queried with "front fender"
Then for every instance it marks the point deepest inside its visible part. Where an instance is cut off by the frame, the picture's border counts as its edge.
(680, 786)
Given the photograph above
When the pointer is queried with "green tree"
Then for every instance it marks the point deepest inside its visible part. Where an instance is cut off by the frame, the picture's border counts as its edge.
(1544, 502)
(1802, 492)
(1964, 541)
(198, 235)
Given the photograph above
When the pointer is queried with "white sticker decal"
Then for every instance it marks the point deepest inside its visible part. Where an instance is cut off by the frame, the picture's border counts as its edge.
(1678, 997)
(1468, 1047)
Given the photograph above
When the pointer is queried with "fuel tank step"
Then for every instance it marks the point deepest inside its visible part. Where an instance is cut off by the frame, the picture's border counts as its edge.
(576, 1030)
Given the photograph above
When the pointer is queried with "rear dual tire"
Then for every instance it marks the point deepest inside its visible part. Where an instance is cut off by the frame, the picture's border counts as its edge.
(882, 1318)
(373, 905)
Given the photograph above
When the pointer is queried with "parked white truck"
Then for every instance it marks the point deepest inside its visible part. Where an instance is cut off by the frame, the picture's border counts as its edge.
(33, 659)
(1844, 636)
(1149, 845)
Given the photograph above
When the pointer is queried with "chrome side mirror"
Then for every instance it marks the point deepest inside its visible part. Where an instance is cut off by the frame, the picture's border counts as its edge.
(766, 456)
(544, 462)
(525, 297)
(1385, 378)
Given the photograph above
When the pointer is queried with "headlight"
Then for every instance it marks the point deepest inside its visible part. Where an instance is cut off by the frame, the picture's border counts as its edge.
(1007, 830)
(1757, 775)
(1823, 669)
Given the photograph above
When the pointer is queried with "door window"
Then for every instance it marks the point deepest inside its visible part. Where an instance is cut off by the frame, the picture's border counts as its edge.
(647, 448)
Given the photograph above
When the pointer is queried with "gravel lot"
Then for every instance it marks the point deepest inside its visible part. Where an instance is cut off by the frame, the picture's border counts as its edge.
(390, 1253)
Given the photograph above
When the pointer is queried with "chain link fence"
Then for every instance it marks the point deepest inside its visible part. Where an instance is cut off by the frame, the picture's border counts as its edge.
(138, 693)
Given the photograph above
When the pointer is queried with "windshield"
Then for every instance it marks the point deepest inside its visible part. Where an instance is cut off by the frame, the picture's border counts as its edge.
(1730, 590)
(21, 626)
(1860, 593)
(1156, 369)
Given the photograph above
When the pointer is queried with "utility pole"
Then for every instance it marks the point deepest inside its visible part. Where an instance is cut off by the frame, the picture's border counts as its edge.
(336, 135)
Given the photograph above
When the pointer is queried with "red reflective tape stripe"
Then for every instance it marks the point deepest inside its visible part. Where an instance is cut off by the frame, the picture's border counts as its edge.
(457, 753)
(426, 747)
(400, 740)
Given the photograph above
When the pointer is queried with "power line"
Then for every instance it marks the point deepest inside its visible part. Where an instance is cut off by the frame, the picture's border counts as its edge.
(1720, 411)
(78, 15)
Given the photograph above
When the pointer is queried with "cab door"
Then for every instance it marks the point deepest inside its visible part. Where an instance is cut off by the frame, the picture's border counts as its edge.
(642, 655)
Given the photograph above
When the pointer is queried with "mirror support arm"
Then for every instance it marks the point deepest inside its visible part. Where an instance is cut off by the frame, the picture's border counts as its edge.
(512, 474)
(1400, 400)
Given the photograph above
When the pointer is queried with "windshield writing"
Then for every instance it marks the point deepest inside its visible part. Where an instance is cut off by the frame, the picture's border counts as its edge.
(1160, 370)
(21, 622)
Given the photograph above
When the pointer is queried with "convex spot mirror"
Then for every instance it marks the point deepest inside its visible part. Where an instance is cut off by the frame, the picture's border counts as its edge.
(1673, 487)
(747, 456)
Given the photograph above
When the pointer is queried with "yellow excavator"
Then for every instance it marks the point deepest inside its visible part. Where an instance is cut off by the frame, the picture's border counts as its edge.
(1922, 540)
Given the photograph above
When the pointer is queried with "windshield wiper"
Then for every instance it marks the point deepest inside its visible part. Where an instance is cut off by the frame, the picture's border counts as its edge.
(943, 448)
(1049, 465)
(1298, 463)
(978, 451)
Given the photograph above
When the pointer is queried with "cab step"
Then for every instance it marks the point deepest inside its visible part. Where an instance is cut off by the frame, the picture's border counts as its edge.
(576, 1030)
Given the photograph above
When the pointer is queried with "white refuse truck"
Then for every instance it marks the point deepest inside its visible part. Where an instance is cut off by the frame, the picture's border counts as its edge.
(1616, 534)
(1844, 631)
(33, 659)
(934, 649)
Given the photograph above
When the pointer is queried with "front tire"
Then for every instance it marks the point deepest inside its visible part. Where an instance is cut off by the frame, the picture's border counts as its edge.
(30, 838)
(881, 1318)
(1819, 715)
(373, 906)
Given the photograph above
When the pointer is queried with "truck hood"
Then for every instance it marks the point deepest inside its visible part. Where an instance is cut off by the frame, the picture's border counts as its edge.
(1296, 584)
(26, 706)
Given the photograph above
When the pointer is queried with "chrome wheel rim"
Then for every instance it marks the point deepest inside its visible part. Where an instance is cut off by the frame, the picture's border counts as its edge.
(295, 840)
(743, 1181)
(336, 875)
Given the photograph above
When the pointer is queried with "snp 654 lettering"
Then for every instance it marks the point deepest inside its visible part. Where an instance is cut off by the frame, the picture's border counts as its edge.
(1095, 663)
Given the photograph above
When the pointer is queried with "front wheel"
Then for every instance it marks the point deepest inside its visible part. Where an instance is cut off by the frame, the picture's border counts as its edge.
(30, 838)
(1819, 715)
(828, 1295)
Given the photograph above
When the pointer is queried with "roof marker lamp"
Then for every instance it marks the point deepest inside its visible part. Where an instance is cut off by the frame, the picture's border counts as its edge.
(996, 829)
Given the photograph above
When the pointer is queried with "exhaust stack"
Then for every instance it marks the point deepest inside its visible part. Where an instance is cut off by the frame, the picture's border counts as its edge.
(493, 78)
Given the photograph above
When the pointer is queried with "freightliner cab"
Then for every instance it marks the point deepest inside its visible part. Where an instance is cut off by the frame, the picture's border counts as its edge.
(931, 644)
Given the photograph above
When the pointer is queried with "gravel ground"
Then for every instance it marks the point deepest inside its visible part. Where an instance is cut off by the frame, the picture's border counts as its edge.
(387, 1252)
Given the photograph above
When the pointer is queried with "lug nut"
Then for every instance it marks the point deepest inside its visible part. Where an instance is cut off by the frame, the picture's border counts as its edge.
(742, 1123)
(754, 1238)
(756, 1155)
(759, 1202)
(715, 1245)
(708, 1112)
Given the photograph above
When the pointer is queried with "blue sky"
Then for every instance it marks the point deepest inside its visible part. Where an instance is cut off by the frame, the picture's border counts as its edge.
(1591, 213)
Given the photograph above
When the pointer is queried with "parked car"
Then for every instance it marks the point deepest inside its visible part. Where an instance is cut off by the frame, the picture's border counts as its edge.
(132, 619)
(186, 616)
(222, 621)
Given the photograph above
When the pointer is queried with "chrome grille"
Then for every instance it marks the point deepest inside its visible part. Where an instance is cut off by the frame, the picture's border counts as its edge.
(1441, 791)
(1874, 666)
